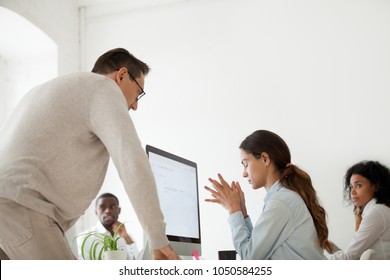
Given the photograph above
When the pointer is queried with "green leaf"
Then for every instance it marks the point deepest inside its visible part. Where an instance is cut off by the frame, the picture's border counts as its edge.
(107, 243)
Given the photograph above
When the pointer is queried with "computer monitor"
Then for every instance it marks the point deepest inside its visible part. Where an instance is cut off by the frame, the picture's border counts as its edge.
(177, 186)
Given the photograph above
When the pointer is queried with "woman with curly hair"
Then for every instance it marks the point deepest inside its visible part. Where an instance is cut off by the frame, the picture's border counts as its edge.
(367, 187)
(292, 224)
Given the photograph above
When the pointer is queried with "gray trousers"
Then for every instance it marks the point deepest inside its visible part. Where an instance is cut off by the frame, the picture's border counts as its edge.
(29, 235)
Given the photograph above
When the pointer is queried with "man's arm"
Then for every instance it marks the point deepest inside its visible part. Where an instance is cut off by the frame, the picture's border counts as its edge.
(111, 123)
(165, 253)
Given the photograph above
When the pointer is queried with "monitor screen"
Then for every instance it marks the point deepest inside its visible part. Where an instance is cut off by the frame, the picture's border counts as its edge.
(177, 186)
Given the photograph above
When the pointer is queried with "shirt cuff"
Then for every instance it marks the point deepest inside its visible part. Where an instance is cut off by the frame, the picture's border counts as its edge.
(237, 218)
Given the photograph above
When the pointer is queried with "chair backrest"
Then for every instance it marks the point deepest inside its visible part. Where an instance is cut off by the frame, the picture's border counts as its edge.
(367, 254)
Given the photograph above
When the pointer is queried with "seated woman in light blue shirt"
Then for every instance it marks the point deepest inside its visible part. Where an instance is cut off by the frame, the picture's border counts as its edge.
(367, 186)
(292, 225)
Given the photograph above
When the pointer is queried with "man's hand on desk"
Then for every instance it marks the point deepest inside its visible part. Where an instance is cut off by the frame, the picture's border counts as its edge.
(165, 253)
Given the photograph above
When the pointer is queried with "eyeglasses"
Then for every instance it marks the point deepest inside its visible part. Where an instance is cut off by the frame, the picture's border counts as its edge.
(132, 78)
(142, 90)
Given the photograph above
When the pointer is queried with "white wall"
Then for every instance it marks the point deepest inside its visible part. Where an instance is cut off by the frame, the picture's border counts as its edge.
(3, 100)
(59, 19)
(315, 72)
(28, 57)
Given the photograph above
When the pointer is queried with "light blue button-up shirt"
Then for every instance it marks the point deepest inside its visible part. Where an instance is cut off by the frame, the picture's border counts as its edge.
(284, 231)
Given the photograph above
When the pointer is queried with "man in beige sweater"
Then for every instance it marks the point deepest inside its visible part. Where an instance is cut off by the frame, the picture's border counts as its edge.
(54, 153)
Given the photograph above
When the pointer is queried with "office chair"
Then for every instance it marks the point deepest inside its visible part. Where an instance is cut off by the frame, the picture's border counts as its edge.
(367, 254)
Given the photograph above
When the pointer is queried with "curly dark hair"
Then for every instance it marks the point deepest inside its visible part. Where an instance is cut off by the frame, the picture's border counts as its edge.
(377, 173)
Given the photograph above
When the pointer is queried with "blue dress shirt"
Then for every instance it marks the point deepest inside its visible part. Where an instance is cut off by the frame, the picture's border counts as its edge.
(284, 231)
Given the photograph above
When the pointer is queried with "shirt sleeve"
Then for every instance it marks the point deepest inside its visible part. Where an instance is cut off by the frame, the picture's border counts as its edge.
(111, 123)
(259, 242)
(132, 251)
(241, 232)
(371, 228)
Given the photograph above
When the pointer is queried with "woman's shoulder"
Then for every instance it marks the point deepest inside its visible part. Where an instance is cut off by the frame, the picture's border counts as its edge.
(377, 209)
(381, 207)
(286, 192)
(287, 197)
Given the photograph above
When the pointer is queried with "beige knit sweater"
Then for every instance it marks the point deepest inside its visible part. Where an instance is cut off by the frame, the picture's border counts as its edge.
(55, 149)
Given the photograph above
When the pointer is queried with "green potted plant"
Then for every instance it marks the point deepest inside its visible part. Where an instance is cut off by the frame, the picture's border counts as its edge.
(103, 246)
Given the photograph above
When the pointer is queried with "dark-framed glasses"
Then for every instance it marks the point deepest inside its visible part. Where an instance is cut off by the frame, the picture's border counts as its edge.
(142, 90)
(132, 78)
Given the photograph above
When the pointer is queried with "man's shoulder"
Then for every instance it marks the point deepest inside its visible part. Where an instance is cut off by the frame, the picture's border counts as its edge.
(94, 228)
(82, 74)
(88, 77)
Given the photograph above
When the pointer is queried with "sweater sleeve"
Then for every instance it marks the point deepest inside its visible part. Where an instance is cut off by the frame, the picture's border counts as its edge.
(111, 123)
